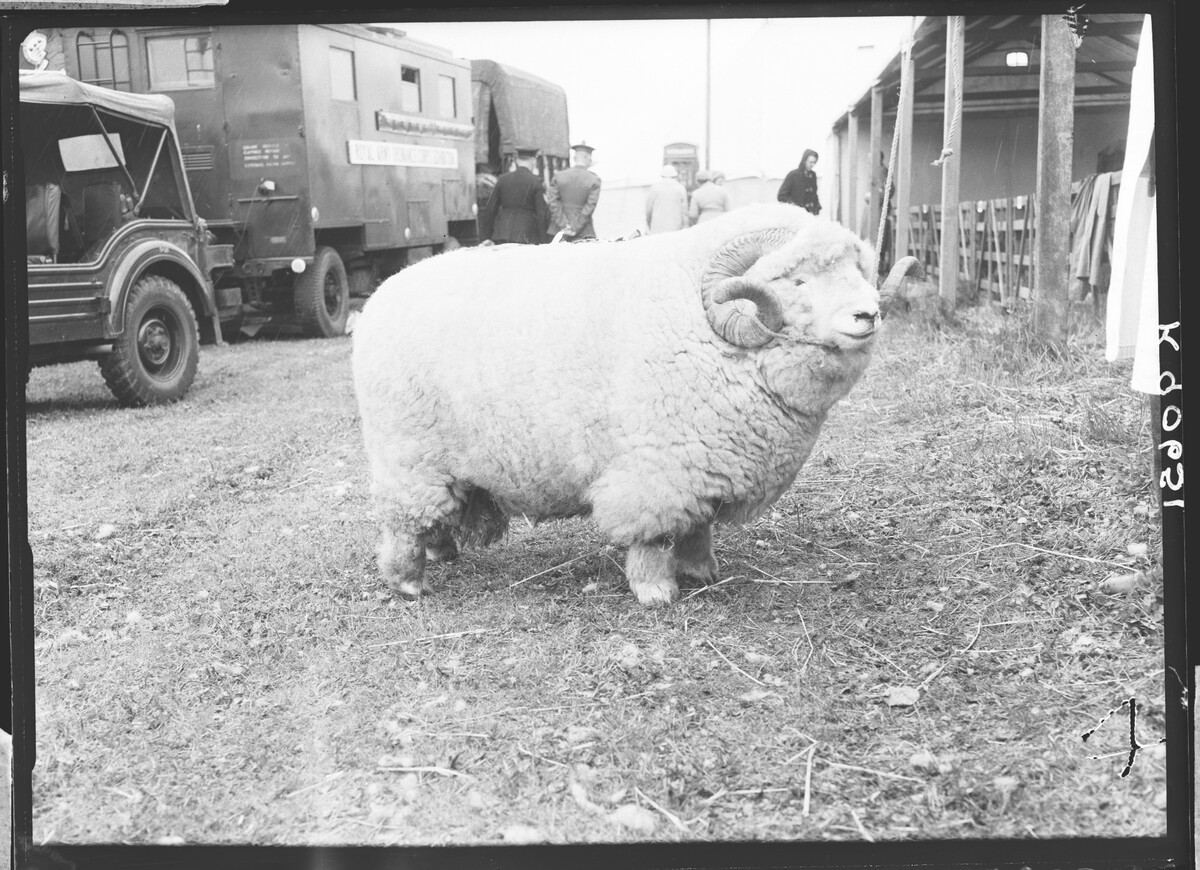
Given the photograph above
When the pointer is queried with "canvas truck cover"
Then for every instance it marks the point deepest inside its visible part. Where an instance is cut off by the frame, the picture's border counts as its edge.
(54, 88)
(531, 112)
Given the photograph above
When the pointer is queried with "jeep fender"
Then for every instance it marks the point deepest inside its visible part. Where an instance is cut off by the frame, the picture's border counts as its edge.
(146, 255)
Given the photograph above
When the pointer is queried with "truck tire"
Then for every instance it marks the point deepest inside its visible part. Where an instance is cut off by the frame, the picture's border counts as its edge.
(322, 296)
(154, 360)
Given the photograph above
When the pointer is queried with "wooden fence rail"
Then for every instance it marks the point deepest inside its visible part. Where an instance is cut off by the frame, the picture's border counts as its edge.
(995, 244)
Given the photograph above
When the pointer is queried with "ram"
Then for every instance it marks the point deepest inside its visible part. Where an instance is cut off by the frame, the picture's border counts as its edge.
(659, 384)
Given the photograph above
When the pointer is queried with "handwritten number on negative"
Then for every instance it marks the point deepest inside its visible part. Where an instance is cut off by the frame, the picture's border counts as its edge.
(1134, 746)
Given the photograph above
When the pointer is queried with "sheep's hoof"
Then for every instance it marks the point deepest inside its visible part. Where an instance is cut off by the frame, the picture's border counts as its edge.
(410, 590)
(704, 572)
(442, 551)
(659, 592)
(651, 572)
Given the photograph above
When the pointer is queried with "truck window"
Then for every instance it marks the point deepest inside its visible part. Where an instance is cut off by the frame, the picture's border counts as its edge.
(410, 89)
(81, 153)
(104, 62)
(179, 63)
(447, 97)
(341, 74)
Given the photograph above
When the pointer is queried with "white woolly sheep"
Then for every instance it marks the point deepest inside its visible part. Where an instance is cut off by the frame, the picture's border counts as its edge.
(659, 384)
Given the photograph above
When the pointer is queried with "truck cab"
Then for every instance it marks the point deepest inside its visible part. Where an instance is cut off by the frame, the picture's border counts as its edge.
(119, 266)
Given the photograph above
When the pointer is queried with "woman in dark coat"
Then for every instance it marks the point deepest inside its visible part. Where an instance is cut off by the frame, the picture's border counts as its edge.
(800, 185)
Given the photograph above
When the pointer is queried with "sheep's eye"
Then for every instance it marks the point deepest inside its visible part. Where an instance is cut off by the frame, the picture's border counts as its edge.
(798, 281)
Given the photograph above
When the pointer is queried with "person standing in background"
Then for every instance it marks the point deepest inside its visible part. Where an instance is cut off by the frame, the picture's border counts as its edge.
(800, 185)
(666, 203)
(710, 199)
(572, 197)
(516, 211)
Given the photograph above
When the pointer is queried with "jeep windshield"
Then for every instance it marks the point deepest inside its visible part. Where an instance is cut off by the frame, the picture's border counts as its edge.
(95, 159)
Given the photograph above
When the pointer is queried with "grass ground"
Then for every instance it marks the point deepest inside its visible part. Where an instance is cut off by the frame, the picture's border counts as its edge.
(909, 645)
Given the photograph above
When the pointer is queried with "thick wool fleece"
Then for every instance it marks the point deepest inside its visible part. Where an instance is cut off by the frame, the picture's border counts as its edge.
(567, 379)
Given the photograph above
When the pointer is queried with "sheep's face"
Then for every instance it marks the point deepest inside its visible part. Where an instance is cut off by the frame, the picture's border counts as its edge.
(826, 298)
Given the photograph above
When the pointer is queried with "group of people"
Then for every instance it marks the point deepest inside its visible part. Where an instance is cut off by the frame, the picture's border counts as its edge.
(525, 210)
(668, 206)
(521, 208)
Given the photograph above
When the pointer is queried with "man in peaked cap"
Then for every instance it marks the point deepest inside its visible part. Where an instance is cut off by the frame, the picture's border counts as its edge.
(516, 211)
(573, 195)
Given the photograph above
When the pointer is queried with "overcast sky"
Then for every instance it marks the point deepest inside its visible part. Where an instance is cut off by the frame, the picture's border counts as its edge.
(633, 86)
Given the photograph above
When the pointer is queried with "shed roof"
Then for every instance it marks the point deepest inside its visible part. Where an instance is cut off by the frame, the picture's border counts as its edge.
(1103, 64)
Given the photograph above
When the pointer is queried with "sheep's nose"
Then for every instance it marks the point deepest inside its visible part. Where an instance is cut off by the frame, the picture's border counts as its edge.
(867, 316)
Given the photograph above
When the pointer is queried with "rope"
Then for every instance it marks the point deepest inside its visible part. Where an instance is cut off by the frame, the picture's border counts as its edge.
(958, 95)
(905, 85)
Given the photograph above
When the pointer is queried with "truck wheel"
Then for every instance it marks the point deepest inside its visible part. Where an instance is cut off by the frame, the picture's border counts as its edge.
(154, 361)
(322, 296)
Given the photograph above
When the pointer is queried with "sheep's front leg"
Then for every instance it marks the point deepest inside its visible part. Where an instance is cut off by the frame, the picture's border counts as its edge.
(402, 562)
(651, 571)
(694, 556)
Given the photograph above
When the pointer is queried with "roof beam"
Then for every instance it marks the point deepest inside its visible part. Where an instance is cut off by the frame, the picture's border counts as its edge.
(1035, 69)
(1030, 29)
(1027, 93)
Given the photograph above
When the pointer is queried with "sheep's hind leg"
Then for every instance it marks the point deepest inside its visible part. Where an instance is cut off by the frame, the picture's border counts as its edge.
(694, 556)
(440, 545)
(651, 572)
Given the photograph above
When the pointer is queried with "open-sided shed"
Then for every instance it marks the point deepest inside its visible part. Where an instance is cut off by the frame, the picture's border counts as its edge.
(997, 61)
(999, 123)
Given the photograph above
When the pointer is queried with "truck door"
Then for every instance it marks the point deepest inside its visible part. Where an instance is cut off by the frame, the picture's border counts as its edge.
(238, 111)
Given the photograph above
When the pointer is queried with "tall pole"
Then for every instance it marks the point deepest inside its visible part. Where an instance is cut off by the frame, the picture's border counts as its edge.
(852, 210)
(707, 93)
(1056, 136)
(951, 162)
(878, 171)
(903, 176)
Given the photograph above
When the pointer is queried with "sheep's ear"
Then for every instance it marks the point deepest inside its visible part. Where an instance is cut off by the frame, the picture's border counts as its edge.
(723, 283)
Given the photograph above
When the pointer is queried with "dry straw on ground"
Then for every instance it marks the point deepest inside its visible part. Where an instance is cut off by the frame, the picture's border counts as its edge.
(908, 645)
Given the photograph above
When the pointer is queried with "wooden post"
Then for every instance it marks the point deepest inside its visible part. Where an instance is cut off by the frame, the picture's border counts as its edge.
(952, 136)
(1056, 127)
(708, 93)
(878, 174)
(903, 175)
(852, 210)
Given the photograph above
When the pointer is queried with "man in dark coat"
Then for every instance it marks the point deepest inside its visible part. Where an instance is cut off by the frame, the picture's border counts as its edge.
(573, 195)
(800, 185)
(516, 211)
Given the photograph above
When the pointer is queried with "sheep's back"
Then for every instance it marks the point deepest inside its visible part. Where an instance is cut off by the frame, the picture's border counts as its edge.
(521, 367)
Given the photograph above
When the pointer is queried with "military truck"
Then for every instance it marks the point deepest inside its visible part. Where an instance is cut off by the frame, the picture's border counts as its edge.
(515, 110)
(326, 155)
(120, 267)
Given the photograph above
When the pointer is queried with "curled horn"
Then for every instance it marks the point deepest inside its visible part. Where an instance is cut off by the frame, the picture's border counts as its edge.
(906, 267)
(724, 283)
